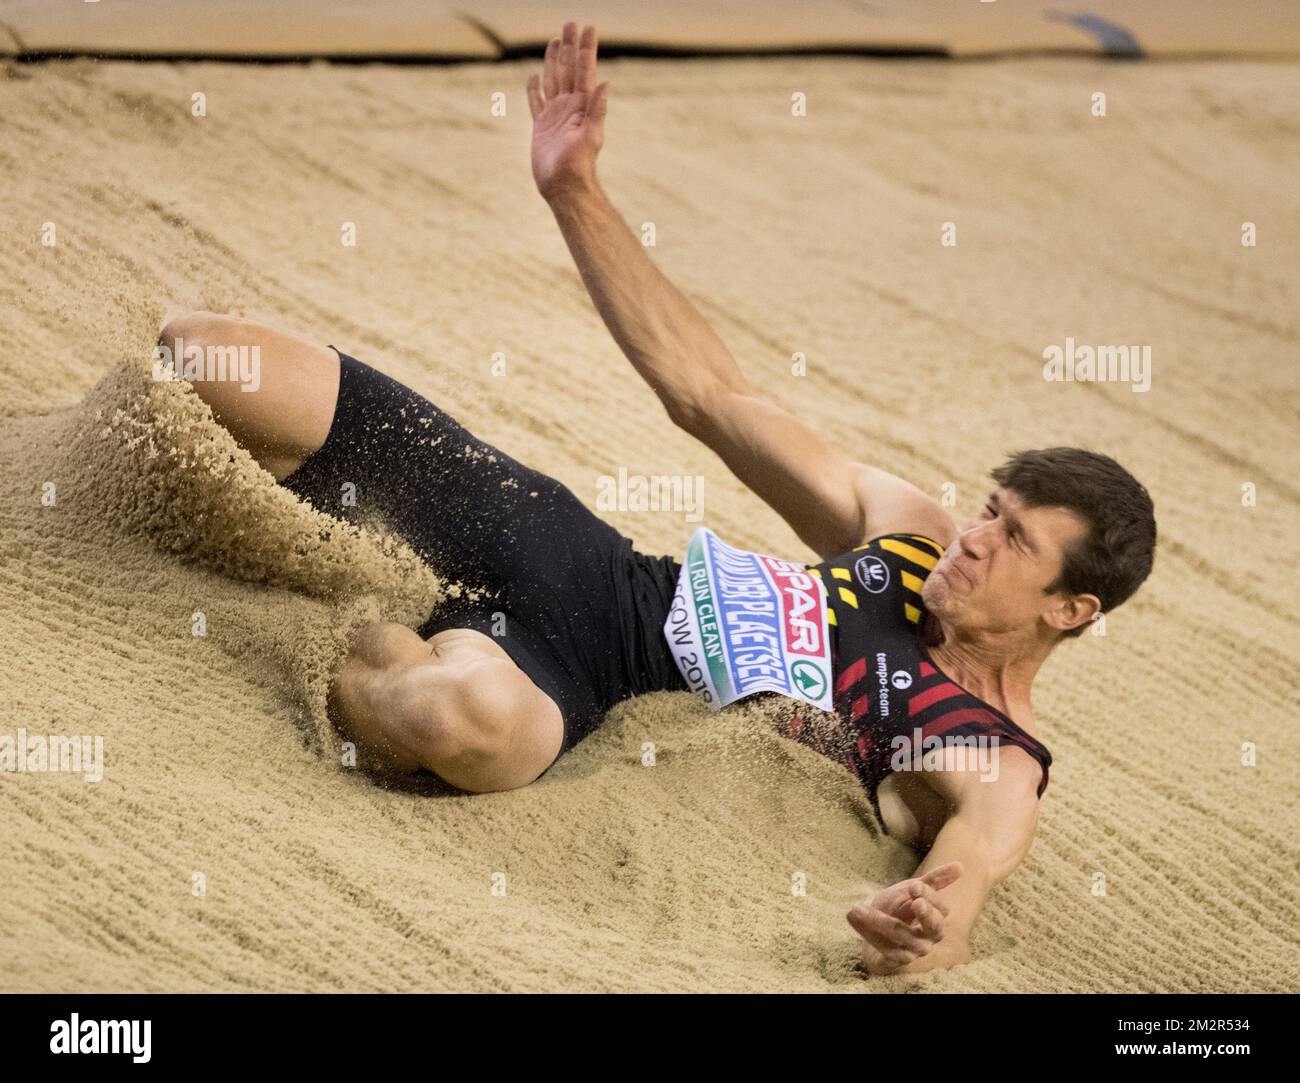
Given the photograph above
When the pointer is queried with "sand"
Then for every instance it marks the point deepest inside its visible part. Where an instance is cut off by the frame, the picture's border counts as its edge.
(818, 234)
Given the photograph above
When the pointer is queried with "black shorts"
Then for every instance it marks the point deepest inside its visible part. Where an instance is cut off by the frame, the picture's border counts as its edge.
(583, 611)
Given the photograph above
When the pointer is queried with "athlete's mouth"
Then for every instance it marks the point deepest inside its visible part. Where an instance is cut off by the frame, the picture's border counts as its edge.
(953, 568)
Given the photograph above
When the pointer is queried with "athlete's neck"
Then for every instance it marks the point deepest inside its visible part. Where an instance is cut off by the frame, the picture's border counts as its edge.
(997, 669)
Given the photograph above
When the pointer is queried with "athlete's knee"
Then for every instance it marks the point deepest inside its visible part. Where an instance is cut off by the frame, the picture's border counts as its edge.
(202, 331)
(200, 328)
(449, 722)
(489, 728)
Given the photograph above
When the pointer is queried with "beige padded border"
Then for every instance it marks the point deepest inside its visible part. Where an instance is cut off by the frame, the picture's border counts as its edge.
(718, 24)
(482, 29)
(254, 28)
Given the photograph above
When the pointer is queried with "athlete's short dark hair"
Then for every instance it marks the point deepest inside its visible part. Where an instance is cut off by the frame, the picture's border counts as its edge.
(1115, 555)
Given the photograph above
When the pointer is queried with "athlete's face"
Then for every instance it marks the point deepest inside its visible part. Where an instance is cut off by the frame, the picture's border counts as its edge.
(994, 576)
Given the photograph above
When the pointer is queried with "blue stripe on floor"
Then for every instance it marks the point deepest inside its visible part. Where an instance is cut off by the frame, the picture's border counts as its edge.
(1114, 39)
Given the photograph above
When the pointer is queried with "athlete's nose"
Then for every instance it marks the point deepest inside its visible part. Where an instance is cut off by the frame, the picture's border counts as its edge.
(975, 540)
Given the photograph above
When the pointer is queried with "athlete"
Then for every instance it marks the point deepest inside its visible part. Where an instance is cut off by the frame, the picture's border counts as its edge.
(930, 634)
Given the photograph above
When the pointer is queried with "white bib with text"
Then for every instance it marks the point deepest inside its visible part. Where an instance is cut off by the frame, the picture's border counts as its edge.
(743, 622)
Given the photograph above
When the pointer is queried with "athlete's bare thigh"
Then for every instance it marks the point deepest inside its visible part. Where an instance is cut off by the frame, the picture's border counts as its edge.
(288, 414)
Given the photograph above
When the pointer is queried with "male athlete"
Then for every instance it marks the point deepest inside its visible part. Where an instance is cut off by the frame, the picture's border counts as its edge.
(924, 638)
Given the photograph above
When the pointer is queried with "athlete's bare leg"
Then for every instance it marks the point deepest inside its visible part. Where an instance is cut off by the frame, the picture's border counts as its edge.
(289, 415)
(457, 703)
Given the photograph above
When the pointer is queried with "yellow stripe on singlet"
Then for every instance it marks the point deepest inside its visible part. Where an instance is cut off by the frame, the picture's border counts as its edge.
(848, 596)
(912, 613)
(842, 573)
(830, 616)
(929, 543)
(910, 552)
(912, 582)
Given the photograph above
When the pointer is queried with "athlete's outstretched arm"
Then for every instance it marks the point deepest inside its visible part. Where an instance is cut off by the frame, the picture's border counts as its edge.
(832, 502)
(924, 922)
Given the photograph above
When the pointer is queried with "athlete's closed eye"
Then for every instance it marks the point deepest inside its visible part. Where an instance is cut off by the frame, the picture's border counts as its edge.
(1015, 532)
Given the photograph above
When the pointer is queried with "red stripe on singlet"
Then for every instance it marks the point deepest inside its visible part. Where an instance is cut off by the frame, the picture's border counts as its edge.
(851, 676)
(928, 670)
(953, 719)
(861, 706)
(930, 696)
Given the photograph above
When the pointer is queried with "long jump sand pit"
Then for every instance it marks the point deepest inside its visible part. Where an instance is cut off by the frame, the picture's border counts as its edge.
(226, 847)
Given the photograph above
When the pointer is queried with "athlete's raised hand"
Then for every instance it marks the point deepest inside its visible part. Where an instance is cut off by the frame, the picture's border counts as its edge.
(568, 113)
(904, 921)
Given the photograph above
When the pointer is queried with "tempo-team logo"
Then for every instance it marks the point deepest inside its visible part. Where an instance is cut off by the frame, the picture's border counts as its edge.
(872, 572)
(901, 679)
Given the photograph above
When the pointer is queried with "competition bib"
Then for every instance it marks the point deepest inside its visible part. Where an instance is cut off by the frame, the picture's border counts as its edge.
(743, 623)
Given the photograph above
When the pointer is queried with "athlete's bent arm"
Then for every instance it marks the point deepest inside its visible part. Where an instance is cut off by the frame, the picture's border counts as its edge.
(832, 502)
(924, 923)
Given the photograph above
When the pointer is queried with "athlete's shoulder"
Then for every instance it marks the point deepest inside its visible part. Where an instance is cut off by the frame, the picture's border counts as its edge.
(891, 505)
(898, 540)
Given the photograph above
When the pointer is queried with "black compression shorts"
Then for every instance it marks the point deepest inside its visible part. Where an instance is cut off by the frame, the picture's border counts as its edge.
(584, 611)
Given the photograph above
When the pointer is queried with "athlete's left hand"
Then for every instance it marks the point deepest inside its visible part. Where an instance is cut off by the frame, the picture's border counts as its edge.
(904, 921)
(568, 113)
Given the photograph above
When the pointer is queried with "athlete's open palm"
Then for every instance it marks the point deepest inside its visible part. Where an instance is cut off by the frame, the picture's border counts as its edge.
(904, 921)
(568, 113)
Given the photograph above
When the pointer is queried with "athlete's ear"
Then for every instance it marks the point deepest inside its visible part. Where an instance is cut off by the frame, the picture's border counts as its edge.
(1068, 611)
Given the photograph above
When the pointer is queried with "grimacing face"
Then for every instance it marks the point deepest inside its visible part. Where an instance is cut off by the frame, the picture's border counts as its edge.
(992, 578)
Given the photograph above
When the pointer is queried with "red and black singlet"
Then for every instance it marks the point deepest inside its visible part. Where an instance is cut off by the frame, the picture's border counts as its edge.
(886, 684)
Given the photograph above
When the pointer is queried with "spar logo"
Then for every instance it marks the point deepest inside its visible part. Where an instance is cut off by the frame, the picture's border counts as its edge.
(808, 678)
(873, 573)
(801, 605)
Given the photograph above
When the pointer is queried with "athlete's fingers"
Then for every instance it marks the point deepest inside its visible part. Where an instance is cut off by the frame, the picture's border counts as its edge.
(897, 899)
(550, 76)
(598, 105)
(929, 918)
(568, 57)
(585, 79)
(898, 959)
(884, 932)
(884, 963)
(939, 878)
(535, 103)
(919, 889)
